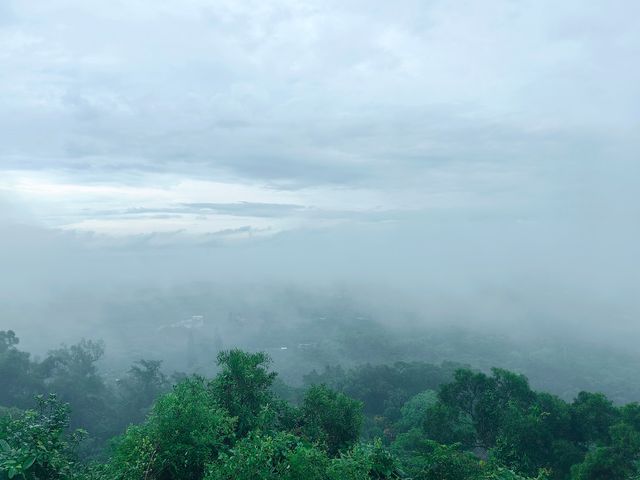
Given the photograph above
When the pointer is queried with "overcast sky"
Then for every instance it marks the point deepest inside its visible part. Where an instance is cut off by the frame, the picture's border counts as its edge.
(202, 116)
(447, 146)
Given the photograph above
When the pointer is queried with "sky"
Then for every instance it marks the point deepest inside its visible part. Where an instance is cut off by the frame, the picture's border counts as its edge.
(468, 140)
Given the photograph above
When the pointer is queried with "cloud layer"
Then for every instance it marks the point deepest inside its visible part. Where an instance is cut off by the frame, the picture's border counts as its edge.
(478, 139)
(328, 106)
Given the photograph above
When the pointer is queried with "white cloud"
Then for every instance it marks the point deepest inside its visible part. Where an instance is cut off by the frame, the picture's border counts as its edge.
(349, 106)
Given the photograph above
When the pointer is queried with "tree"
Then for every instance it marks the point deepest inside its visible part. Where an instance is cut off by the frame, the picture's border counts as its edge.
(243, 387)
(448, 425)
(331, 418)
(283, 456)
(186, 430)
(19, 377)
(270, 457)
(536, 438)
(34, 444)
(414, 411)
(72, 373)
(143, 384)
(617, 461)
(483, 400)
(630, 414)
(593, 415)
(365, 461)
(424, 459)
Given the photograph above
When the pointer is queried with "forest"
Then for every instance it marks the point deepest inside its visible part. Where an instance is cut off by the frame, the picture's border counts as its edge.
(319, 240)
(61, 418)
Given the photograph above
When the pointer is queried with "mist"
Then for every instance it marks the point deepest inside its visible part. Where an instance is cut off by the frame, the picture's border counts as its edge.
(331, 240)
(426, 168)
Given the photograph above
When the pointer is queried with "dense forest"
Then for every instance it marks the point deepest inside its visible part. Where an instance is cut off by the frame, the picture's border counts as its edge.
(62, 418)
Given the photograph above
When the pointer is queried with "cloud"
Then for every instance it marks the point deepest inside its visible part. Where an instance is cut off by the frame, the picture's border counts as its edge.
(246, 209)
(479, 156)
(284, 113)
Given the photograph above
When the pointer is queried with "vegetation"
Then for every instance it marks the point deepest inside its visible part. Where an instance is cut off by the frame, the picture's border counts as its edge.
(402, 421)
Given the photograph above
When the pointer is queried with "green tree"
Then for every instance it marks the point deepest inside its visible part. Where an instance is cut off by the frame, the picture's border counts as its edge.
(270, 457)
(370, 461)
(414, 411)
(19, 376)
(72, 373)
(331, 418)
(593, 415)
(536, 438)
(424, 459)
(617, 461)
(243, 388)
(143, 384)
(630, 414)
(34, 444)
(448, 425)
(482, 400)
(186, 430)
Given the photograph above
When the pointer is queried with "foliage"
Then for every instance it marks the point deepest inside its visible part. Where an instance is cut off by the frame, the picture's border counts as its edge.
(33, 445)
(593, 415)
(331, 418)
(267, 457)
(484, 400)
(143, 383)
(531, 439)
(616, 461)
(383, 388)
(243, 388)
(72, 373)
(185, 431)
(415, 410)
(20, 377)
(448, 425)
(478, 426)
(426, 459)
(288, 457)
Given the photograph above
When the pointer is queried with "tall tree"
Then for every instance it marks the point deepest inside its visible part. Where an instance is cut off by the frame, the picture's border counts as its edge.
(243, 387)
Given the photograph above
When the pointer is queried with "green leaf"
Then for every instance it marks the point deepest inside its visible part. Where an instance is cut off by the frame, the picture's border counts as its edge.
(28, 462)
(5, 445)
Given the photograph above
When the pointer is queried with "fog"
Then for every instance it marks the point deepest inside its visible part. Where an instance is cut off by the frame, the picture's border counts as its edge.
(431, 167)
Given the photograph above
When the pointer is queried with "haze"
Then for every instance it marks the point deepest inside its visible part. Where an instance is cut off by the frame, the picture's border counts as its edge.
(443, 163)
